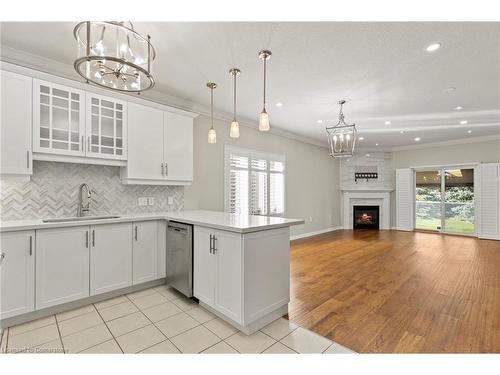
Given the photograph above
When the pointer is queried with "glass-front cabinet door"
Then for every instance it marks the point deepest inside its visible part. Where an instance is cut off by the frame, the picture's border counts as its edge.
(106, 127)
(58, 119)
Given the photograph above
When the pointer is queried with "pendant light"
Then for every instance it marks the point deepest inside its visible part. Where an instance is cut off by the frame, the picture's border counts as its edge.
(234, 130)
(341, 137)
(264, 117)
(113, 55)
(212, 135)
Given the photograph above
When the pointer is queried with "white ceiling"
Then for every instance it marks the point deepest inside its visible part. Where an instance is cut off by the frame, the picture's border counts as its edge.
(381, 69)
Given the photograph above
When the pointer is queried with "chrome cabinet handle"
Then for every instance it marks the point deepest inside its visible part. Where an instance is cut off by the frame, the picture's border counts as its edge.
(28, 159)
(81, 144)
(162, 169)
(93, 238)
(211, 237)
(88, 143)
(166, 169)
(136, 232)
(31, 245)
(87, 239)
(2, 256)
(214, 250)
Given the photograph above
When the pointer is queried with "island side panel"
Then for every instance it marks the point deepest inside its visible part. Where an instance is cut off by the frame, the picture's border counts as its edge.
(266, 273)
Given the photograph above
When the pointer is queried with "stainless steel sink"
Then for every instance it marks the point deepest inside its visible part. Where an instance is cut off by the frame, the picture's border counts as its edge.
(78, 218)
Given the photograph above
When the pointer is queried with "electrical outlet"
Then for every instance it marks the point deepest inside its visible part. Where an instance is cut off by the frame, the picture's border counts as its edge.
(151, 201)
(142, 201)
(310, 219)
(170, 201)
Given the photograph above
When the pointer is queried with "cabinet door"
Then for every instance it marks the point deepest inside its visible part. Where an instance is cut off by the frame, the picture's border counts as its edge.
(62, 265)
(228, 275)
(203, 266)
(58, 119)
(106, 127)
(17, 273)
(145, 146)
(145, 251)
(110, 257)
(178, 147)
(15, 132)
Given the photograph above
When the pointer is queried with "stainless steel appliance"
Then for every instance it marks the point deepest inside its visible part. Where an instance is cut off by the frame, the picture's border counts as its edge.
(180, 257)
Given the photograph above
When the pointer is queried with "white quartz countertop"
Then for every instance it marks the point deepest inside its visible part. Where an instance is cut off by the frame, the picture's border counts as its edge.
(212, 219)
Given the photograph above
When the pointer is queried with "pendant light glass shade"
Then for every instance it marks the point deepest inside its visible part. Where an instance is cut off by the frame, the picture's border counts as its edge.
(341, 137)
(264, 126)
(114, 55)
(234, 129)
(264, 121)
(212, 135)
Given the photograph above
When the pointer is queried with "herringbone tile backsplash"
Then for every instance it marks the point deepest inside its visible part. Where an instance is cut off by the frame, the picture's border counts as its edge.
(53, 192)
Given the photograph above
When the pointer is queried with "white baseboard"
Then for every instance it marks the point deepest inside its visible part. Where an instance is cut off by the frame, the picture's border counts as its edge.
(309, 234)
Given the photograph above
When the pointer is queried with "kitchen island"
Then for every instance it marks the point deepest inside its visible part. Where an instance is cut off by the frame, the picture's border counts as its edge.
(241, 269)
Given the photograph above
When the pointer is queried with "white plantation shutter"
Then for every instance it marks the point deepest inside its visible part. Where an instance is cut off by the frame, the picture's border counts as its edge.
(489, 201)
(405, 199)
(255, 182)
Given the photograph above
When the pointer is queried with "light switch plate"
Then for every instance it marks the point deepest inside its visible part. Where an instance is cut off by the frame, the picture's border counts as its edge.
(170, 201)
(142, 201)
(151, 201)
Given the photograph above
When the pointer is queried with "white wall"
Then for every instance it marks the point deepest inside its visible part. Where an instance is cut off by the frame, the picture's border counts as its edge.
(312, 176)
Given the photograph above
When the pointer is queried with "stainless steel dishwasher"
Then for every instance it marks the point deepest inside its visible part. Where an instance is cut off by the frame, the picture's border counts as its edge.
(180, 257)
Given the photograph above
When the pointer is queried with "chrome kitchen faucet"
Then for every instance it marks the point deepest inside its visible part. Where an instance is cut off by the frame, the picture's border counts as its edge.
(86, 194)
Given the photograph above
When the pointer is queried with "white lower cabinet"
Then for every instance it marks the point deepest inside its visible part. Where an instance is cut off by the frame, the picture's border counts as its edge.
(218, 271)
(145, 251)
(110, 257)
(62, 265)
(17, 272)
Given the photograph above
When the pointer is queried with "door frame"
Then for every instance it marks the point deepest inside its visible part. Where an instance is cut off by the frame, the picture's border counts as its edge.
(477, 193)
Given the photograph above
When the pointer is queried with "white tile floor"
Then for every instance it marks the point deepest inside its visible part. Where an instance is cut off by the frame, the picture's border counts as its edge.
(156, 320)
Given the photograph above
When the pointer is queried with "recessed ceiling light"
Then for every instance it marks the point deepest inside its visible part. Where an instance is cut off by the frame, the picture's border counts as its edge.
(458, 108)
(368, 155)
(433, 47)
(319, 121)
(361, 138)
(450, 89)
(417, 139)
(469, 131)
(279, 104)
(376, 144)
(402, 131)
(387, 123)
(463, 122)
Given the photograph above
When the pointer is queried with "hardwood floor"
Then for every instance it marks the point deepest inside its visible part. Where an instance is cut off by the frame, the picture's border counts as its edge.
(405, 292)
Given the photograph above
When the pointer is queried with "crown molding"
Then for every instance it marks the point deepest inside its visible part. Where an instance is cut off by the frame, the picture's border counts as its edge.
(461, 141)
(63, 70)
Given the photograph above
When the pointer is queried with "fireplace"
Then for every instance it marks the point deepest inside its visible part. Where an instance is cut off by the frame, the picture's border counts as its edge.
(365, 217)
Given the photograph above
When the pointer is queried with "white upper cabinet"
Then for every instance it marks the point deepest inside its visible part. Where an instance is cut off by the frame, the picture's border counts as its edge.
(15, 127)
(160, 147)
(106, 127)
(145, 145)
(178, 147)
(58, 119)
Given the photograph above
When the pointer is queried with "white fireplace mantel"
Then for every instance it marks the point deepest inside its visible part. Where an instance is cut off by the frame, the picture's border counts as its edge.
(375, 197)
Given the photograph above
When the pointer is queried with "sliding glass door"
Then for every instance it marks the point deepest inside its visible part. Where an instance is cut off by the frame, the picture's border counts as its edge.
(444, 200)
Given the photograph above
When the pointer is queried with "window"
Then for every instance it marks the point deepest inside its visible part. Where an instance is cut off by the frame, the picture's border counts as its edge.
(255, 182)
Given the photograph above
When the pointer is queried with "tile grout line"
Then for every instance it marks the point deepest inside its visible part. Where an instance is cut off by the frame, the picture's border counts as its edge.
(282, 343)
(147, 317)
(111, 333)
(60, 336)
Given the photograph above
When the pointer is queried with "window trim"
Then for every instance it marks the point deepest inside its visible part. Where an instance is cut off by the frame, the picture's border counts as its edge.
(228, 150)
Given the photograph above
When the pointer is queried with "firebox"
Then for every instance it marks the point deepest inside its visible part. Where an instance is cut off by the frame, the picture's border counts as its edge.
(365, 217)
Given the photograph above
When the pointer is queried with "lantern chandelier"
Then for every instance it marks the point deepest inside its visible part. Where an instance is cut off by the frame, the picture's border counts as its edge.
(341, 137)
(113, 55)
